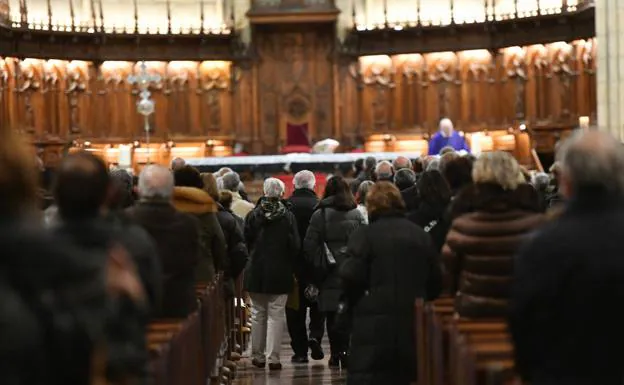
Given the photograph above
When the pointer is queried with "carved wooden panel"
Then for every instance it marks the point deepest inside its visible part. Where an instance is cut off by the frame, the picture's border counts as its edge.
(56, 100)
(295, 82)
(541, 85)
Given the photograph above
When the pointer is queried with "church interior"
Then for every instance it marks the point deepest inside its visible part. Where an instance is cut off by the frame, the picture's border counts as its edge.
(268, 88)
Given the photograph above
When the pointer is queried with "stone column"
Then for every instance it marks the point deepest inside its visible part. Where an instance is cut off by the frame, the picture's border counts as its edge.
(610, 81)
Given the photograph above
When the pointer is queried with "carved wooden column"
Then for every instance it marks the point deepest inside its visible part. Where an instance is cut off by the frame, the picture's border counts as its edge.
(516, 70)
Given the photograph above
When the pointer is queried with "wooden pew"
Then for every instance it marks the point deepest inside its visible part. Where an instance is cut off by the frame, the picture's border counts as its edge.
(184, 352)
(460, 351)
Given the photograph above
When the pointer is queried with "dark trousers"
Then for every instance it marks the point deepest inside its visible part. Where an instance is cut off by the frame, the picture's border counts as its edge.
(296, 320)
(338, 337)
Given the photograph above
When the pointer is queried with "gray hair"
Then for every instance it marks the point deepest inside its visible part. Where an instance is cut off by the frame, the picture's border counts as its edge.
(434, 165)
(156, 182)
(273, 188)
(223, 170)
(540, 181)
(304, 179)
(401, 162)
(220, 183)
(384, 170)
(593, 159)
(231, 181)
(177, 164)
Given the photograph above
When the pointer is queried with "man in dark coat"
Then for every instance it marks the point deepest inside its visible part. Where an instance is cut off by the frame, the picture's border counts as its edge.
(81, 190)
(272, 236)
(303, 203)
(391, 262)
(177, 240)
(569, 279)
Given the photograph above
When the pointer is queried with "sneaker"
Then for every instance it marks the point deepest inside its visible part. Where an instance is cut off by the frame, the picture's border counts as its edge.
(275, 366)
(315, 350)
(297, 359)
(258, 364)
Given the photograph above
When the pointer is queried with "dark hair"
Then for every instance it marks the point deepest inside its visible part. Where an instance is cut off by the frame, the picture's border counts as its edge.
(358, 165)
(370, 163)
(384, 197)
(81, 186)
(188, 176)
(417, 165)
(338, 188)
(121, 190)
(433, 189)
(225, 199)
(404, 178)
(458, 172)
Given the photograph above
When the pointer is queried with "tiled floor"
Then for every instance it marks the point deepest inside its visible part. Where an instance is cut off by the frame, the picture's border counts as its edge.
(314, 373)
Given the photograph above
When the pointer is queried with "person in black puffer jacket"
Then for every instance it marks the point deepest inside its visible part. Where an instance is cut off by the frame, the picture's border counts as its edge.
(272, 237)
(335, 218)
(431, 215)
(390, 263)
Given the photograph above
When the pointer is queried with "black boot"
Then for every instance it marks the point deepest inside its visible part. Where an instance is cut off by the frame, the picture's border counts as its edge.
(344, 360)
(334, 361)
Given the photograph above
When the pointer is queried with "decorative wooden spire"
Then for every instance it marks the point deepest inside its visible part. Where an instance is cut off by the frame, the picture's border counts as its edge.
(385, 12)
(353, 14)
(93, 16)
(202, 16)
(136, 16)
(101, 15)
(169, 31)
(72, 15)
(49, 4)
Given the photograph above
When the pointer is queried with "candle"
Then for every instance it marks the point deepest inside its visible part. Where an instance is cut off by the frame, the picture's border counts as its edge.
(584, 122)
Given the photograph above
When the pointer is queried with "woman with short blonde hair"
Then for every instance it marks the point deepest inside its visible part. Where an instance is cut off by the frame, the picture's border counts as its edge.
(480, 246)
(497, 167)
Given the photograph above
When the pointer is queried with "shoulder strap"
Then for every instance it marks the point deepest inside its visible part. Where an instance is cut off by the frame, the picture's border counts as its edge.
(323, 224)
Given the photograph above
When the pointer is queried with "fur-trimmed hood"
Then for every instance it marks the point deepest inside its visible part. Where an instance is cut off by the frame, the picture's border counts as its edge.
(192, 200)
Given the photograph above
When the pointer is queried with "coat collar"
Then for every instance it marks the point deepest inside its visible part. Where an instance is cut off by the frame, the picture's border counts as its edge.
(304, 192)
(193, 201)
(386, 214)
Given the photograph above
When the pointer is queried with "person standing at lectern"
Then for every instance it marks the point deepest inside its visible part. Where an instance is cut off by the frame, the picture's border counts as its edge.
(447, 136)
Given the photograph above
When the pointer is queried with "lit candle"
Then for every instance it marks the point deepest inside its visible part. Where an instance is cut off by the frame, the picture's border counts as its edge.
(584, 122)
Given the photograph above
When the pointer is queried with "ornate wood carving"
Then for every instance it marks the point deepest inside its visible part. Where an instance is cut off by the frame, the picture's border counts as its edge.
(295, 82)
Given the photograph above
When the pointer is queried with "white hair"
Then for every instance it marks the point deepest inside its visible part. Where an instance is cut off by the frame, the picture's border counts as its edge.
(231, 181)
(274, 188)
(384, 169)
(156, 182)
(446, 122)
(220, 183)
(304, 179)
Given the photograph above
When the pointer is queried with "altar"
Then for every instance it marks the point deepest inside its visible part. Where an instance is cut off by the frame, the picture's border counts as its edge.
(271, 164)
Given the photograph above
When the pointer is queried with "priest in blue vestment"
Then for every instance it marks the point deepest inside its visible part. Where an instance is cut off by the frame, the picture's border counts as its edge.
(447, 136)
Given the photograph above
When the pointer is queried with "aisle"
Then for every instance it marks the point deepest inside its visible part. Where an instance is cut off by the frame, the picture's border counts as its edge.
(314, 373)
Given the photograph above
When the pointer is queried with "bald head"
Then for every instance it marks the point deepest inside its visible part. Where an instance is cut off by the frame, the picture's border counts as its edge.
(177, 164)
(591, 160)
(401, 162)
(446, 126)
(156, 183)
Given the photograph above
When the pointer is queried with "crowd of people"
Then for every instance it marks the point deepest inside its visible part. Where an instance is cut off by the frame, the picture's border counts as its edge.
(82, 279)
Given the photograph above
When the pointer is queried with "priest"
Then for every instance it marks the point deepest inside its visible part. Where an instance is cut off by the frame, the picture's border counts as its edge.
(445, 137)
